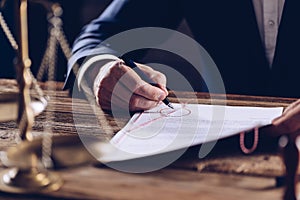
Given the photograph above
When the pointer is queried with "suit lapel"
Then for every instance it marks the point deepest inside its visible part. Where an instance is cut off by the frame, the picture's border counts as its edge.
(288, 33)
(253, 31)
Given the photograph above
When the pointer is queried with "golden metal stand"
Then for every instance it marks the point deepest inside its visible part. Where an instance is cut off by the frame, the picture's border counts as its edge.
(29, 181)
(27, 174)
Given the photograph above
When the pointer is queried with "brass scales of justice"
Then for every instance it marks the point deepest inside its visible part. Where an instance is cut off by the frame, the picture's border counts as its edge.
(29, 160)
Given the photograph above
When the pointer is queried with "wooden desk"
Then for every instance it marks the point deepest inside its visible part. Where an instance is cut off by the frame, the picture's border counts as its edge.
(227, 177)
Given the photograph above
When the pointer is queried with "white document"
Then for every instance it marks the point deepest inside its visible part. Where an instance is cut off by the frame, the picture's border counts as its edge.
(163, 129)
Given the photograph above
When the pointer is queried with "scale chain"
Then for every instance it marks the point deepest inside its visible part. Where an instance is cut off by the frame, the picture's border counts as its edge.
(8, 33)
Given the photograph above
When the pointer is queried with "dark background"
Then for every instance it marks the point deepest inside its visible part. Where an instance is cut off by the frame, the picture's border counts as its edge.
(76, 14)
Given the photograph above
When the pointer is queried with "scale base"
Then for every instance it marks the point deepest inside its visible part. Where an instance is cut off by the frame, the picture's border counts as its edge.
(29, 181)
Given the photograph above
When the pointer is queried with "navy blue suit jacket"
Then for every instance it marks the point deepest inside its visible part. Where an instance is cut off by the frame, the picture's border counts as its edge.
(226, 29)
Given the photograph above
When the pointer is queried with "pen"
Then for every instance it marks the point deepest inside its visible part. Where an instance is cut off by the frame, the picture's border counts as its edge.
(143, 76)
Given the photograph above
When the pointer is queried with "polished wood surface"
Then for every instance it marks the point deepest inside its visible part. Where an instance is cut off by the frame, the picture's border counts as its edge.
(226, 175)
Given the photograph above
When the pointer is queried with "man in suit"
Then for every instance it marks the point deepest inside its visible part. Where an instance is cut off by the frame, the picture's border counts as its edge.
(253, 43)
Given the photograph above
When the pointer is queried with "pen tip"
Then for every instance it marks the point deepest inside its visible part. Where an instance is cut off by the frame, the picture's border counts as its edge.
(171, 106)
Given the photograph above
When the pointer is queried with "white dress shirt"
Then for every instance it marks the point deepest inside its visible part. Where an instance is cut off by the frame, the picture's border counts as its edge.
(268, 16)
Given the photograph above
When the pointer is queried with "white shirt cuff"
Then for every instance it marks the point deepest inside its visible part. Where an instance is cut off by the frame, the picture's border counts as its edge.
(104, 58)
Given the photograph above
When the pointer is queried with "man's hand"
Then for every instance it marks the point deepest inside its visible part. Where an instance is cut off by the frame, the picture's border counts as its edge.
(118, 86)
(289, 122)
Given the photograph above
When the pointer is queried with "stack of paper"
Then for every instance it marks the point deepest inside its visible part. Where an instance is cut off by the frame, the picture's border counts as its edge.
(163, 129)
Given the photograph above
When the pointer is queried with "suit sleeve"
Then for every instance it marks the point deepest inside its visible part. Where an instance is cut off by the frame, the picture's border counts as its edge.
(120, 15)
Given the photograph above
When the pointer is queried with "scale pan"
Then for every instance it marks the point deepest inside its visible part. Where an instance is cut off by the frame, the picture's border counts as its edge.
(67, 152)
(9, 106)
